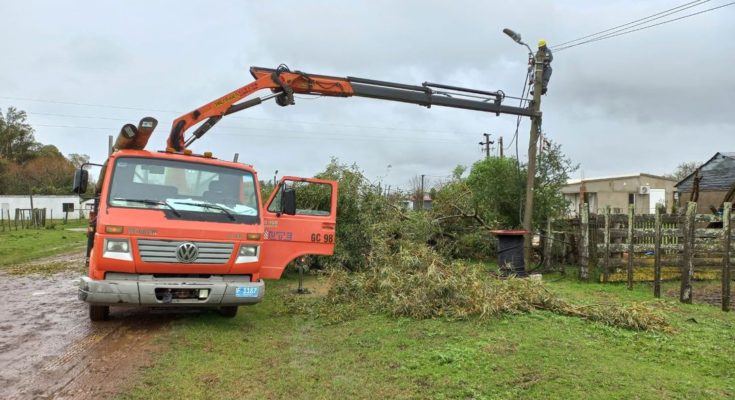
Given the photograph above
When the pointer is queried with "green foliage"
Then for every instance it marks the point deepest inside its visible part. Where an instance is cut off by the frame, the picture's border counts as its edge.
(496, 188)
(17, 142)
(27, 166)
(417, 282)
(362, 215)
(552, 174)
(536, 355)
(489, 198)
(21, 246)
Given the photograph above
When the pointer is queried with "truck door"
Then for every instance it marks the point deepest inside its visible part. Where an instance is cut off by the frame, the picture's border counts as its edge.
(311, 230)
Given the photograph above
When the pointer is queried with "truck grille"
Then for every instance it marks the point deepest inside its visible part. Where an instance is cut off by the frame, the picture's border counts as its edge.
(164, 251)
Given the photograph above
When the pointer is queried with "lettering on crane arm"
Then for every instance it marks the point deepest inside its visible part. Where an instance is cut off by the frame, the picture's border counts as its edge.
(278, 235)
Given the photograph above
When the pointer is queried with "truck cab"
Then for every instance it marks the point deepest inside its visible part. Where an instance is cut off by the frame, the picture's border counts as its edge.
(175, 229)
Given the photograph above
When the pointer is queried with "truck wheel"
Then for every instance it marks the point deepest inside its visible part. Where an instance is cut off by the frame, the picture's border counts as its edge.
(228, 311)
(98, 313)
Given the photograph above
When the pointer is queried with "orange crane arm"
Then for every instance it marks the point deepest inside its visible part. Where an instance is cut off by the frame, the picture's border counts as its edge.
(283, 83)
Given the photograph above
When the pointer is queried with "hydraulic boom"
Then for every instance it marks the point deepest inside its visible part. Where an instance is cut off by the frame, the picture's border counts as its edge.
(284, 83)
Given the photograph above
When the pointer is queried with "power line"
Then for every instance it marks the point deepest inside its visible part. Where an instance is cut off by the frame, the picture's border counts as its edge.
(690, 4)
(645, 27)
(230, 118)
(289, 134)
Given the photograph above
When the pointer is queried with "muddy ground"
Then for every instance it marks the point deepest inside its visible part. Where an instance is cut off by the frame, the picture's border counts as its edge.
(50, 350)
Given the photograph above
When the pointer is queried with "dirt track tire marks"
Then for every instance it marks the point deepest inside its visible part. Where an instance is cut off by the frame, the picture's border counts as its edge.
(50, 350)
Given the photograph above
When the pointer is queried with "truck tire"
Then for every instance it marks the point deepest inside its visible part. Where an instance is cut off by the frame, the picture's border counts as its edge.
(98, 313)
(228, 311)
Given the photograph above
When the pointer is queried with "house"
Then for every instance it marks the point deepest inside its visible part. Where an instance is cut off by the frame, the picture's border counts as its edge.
(642, 190)
(412, 205)
(54, 205)
(717, 177)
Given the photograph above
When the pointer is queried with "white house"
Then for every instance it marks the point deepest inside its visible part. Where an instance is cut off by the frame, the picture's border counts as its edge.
(54, 205)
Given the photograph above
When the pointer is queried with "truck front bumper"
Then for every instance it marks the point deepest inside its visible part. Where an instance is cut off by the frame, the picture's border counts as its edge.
(146, 290)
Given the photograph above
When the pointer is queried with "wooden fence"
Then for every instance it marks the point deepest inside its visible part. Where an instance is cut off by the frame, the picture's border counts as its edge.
(629, 247)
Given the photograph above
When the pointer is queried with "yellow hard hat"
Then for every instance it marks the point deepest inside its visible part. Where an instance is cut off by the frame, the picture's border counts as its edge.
(541, 43)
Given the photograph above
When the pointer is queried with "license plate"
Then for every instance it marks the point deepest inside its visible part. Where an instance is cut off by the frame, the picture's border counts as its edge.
(246, 291)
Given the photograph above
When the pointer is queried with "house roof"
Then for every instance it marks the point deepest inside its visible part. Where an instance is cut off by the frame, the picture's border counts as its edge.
(609, 178)
(718, 174)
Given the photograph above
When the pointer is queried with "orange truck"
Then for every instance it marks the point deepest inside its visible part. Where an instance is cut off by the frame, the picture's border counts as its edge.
(173, 228)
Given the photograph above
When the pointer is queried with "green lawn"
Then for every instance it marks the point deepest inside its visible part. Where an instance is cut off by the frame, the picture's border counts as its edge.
(28, 244)
(267, 352)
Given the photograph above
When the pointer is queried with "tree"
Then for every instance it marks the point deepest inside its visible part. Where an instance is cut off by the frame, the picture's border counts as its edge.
(48, 175)
(78, 159)
(553, 171)
(362, 215)
(684, 169)
(17, 142)
(493, 192)
(496, 191)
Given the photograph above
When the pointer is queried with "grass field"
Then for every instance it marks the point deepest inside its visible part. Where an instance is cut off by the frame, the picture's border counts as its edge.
(268, 352)
(29, 244)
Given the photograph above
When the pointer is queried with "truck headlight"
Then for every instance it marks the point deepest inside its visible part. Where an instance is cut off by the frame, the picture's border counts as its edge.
(118, 249)
(247, 253)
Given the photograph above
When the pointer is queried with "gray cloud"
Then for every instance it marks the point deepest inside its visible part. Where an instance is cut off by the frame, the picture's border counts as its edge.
(638, 103)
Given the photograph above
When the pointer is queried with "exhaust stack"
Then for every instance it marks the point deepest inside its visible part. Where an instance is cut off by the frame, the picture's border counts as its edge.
(135, 138)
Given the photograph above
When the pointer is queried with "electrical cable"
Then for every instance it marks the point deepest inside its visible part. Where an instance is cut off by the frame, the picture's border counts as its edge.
(644, 27)
(687, 5)
(518, 159)
(306, 135)
(229, 118)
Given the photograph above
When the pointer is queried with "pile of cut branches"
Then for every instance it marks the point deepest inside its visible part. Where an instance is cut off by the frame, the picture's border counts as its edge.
(418, 283)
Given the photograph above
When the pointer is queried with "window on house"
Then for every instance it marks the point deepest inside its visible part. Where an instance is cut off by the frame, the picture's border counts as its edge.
(631, 198)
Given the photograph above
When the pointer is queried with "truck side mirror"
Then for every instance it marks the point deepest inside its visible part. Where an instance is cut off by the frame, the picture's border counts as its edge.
(288, 201)
(81, 179)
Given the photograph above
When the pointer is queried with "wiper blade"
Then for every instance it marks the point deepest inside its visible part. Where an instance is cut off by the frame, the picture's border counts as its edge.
(152, 203)
(212, 206)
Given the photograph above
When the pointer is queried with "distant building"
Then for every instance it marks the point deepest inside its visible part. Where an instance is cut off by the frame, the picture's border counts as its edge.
(717, 177)
(408, 204)
(644, 191)
(54, 205)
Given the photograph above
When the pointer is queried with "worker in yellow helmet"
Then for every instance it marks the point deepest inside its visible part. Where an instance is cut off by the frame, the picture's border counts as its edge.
(548, 58)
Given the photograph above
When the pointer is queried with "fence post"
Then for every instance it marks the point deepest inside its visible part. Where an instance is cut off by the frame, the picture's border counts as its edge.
(726, 230)
(631, 222)
(564, 259)
(687, 262)
(657, 256)
(584, 243)
(549, 245)
(606, 265)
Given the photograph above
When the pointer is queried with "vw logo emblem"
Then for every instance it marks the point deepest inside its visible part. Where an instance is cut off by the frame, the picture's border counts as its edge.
(187, 252)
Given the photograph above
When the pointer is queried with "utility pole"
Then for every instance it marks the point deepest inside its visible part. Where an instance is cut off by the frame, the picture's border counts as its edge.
(487, 144)
(500, 146)
(421, 201)
(533, 140)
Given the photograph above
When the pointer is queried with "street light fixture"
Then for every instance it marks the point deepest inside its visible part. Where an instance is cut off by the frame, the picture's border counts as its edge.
(517, 38)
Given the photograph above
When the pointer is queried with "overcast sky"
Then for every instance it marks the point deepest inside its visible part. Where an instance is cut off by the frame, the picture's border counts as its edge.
(642, 102)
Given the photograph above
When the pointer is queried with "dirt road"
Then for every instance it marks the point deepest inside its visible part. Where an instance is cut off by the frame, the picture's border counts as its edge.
(50, 350)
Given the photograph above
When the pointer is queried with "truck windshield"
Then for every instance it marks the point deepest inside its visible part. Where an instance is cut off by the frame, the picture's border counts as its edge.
(185, 190)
